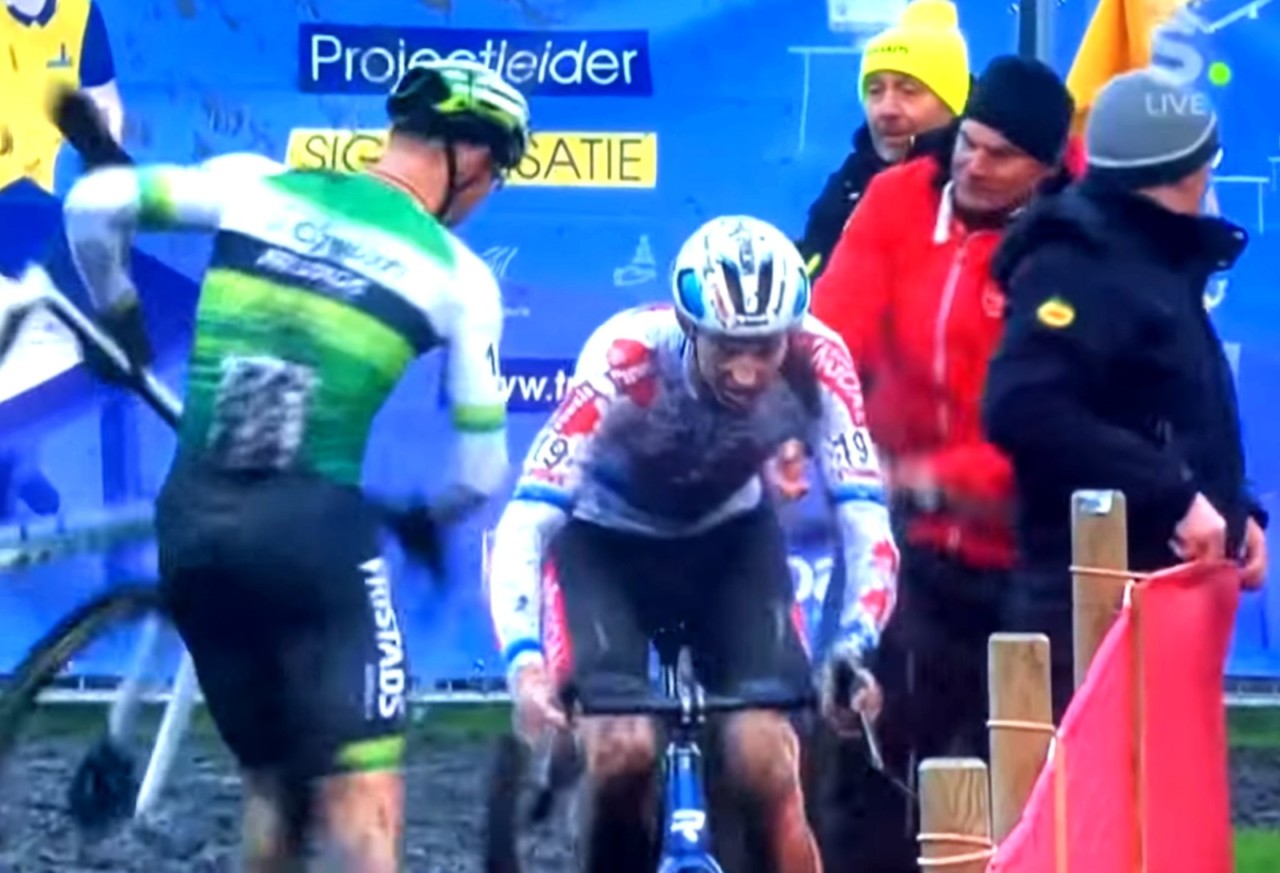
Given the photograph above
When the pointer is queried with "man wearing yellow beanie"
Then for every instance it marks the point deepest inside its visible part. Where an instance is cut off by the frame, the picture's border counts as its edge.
(914, 78)
(925, 44)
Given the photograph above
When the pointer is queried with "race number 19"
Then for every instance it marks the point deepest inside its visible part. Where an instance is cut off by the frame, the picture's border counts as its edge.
(552, 452)
(846, 446)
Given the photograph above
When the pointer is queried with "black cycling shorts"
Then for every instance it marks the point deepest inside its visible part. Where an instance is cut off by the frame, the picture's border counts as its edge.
(726, 593)
(277, 587)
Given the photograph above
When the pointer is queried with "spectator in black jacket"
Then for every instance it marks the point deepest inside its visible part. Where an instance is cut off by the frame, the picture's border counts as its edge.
(914, 78)
(1111, 375)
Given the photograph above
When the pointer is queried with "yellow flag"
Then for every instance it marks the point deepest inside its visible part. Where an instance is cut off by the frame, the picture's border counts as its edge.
(1118, 39)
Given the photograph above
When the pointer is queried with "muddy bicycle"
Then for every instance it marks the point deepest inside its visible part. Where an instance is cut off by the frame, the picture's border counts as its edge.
(104, 789)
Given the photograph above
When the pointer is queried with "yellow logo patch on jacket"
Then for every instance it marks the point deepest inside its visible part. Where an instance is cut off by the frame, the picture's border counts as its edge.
(1056, 313)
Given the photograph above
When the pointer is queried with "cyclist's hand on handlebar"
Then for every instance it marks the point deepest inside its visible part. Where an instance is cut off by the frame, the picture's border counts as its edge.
(849, 692)
(536, 708)
(126, 326)
(869, 698)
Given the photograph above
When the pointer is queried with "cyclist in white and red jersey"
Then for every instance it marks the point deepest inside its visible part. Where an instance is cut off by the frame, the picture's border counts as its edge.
(642, 496)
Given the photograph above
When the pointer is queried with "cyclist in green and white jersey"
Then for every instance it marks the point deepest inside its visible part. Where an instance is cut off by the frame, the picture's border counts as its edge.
(323, 287)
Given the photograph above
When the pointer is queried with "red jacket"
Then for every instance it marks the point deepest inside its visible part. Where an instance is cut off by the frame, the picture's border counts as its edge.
(909, 290)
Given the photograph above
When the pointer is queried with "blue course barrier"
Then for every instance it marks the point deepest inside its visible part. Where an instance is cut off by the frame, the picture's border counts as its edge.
(653, 116)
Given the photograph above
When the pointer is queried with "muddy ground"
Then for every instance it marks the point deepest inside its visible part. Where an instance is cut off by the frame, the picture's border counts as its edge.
(196, 828)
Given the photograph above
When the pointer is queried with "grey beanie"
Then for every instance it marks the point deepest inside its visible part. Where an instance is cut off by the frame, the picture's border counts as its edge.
(1146, 129)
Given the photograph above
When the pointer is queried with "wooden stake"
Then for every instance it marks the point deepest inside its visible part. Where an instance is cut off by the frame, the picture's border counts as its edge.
(1021, 708)
(1099, 541)
(955, 815)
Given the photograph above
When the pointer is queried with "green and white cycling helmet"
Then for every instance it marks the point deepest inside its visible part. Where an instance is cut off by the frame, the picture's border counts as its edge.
(462, 101)
(740, 277)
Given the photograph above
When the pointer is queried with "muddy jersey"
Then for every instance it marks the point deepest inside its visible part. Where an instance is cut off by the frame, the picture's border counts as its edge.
(634, 447)
(321, 290)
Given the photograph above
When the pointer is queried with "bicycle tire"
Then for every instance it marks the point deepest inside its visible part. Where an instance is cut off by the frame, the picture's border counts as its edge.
(502, 806)
(46, 659)
(507, 814)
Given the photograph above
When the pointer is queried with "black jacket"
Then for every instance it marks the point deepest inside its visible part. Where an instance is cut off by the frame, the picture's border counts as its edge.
(830, 212)
(1111, 375)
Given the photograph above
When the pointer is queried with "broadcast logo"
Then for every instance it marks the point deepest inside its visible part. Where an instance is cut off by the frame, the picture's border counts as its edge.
(555, 159)
(351, 59)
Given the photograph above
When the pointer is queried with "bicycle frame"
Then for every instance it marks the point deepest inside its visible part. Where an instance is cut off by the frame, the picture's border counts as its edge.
(684, 706)
(686, 839)
(686, 832)
(35, 288)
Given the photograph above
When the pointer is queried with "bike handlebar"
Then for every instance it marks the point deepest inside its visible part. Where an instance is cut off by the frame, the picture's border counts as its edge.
(620, 704)
(845, 683)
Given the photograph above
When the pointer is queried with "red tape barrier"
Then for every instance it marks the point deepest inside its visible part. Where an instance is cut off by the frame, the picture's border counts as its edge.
(1137, 775)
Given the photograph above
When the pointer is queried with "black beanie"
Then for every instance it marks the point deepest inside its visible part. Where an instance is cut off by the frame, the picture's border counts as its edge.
(1027, 103)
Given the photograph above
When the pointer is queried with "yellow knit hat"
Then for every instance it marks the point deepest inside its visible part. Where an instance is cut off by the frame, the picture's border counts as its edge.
(926, 44)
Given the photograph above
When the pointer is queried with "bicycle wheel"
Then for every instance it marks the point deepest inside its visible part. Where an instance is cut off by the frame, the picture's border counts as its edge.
(502, 806)
(104, 790)
(52, 652)
(517, 799)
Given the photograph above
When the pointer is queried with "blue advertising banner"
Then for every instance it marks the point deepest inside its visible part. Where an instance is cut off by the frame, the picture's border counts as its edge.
(530, 384)
(534, 384)
(650, 117)
(350, 59)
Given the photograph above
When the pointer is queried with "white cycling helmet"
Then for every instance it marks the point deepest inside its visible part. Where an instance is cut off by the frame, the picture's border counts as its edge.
(740, 277)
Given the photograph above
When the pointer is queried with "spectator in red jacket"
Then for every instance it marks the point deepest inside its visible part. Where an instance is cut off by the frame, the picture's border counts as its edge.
(908, 288)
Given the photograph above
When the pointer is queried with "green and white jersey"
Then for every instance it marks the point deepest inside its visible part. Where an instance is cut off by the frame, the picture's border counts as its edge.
(322, 289)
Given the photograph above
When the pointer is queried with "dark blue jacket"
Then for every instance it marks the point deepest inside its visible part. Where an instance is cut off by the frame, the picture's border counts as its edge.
(1111, 375)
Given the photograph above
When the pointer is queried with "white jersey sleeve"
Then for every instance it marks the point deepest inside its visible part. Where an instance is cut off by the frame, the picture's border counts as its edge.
(544, 495)
(477, 404)
(103, 209)
(855, 485)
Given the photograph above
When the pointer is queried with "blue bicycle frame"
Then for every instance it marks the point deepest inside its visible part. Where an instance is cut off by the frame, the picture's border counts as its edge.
(686, 840)
(686, 829)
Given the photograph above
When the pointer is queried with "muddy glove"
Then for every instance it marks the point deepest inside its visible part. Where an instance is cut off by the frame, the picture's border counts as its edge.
(536, 709)
(416, 527)
(849, 690)
(785, 471)
(125, 325)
